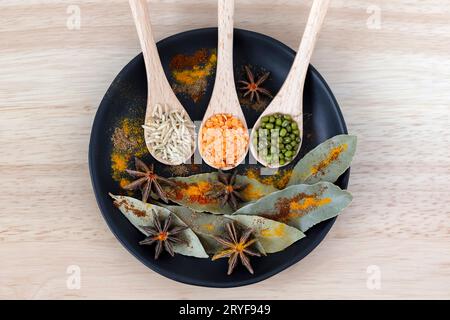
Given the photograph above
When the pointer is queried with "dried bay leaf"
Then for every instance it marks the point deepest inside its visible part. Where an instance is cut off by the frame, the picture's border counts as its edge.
(300, 206)
(274, 236)
(326, 162)
(194, 192)
(141, 214)
(204, 225)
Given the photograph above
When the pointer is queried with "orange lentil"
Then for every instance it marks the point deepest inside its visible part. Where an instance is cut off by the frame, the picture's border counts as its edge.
(224, 140)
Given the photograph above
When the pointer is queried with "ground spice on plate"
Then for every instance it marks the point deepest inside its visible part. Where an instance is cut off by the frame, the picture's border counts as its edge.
(190, 72)
(183, 170)
(127, 142)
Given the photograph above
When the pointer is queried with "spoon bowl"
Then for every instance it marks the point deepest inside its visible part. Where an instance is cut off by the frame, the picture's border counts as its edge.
(289, 100)
(224, 99)
(232, 164)
(161, 100)
(297, 118)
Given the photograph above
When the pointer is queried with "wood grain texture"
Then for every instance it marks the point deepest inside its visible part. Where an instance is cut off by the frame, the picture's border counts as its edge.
(392, 83)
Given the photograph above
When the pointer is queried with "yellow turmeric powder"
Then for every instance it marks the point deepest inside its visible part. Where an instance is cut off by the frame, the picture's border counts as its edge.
(309, 203)
(208, 227)
(119, 162)
(123, 182)
(191, 72)
(277, 232)
(332, 156)
(189, 77)
(279, 180)
(127, 142)
(251, 194)
(195, 192)
(198, 188)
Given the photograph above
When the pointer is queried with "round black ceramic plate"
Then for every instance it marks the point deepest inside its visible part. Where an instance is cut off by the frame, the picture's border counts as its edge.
(127, 95)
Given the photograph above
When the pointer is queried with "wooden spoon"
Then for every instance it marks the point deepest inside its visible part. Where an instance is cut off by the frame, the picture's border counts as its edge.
(224, 98)
(289, 99)
(159, 90)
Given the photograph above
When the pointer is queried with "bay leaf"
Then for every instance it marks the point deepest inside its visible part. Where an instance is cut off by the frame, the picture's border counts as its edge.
(274, 236)
(326, 162)
(141, 214)
(300, 206)
(204, 225)
(192, 192)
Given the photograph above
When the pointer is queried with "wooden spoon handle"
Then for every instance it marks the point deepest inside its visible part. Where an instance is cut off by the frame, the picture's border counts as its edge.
(157, 82)
(225, 39)
(224, 92)
(300, 66)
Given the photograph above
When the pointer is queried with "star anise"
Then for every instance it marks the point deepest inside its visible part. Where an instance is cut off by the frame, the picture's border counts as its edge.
(254, 88)
(228, 190)
(147, 181)
(163, 236)
(235, 247)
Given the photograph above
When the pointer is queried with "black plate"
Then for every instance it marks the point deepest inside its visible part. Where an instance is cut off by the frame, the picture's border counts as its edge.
(127, 94)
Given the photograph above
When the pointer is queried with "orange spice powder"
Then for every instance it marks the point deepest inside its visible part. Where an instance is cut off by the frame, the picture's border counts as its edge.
(194, 192)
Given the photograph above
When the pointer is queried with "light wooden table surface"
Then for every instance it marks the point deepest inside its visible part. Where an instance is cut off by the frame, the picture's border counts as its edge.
(387, 63)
